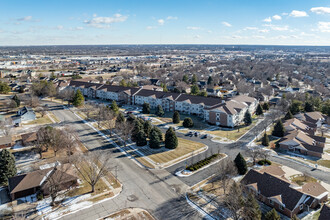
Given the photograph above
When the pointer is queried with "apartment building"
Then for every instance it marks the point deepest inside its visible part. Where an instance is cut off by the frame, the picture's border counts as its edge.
(217, 111)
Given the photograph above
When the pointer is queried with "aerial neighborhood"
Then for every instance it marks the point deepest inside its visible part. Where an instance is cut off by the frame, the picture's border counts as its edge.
(186, 131)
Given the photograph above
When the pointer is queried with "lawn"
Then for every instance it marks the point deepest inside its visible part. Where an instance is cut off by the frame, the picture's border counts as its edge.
(233, 134)
(325, 163)
(40, 120)
(163, 155)
(302, 179)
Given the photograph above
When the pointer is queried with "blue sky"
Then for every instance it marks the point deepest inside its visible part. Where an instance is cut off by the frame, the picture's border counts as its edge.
(60, 22)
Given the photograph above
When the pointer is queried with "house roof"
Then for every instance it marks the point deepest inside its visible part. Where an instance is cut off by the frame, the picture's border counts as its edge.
(314, 189)
(28, 137)
(325, 212)
(274, 170)
(37, 178)
(271, 186)
(5, 140)
(293, 123)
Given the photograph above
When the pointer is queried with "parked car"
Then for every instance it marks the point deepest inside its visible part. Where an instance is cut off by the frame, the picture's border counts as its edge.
(196, 134)
(204, 136)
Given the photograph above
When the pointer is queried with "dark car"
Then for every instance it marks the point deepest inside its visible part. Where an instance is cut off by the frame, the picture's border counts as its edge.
(204, 136)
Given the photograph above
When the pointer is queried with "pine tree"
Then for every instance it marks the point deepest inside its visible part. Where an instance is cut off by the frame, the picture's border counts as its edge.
(171, 141)
(188, 123)
(251, 208)
(240, 164)
(194, 79)
(288, 115)
(209, 81)
(146, 108)
(176, 117)
(265, 106)
(247, 118)
(272, 215)
(265, 140)
(17, 100)
(159, 111)
(147, 128)
(141, 139)
(78, 98)
(7, 166)
(278, 129)
(154, 141)
(159, 132)
(114, 107)
(137, 128)
(296, 107)
(185, 79)
(120, 118)
(259, 110)
(308, 107)
(194, 90)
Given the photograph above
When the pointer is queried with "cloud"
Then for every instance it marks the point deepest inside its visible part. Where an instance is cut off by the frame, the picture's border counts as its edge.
(277, 17)
(104, 22)
(226, 24)
(321, 10)
(324, 26)
(59, 27)
(264, 31)
(250, 28)
(79, 28)
(171, 18)
(267, 19)
(161, 21)
(197, 37)
(194, 28)
(298, 14)
(150, 27)
(27, 18)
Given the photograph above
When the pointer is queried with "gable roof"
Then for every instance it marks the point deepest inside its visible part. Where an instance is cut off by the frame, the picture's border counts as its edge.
(271, 186)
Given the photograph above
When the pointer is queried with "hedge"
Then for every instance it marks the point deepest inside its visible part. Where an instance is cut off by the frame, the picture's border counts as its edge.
(264, 162)
(201, 163)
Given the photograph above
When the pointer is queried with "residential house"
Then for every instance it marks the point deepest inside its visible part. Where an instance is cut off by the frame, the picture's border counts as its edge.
(24, 114)
(29, 138)
(6, 141)
(38, 181)
(213, 92)
(300, 142)
(294, 124)
(276, 191)
(316, 118)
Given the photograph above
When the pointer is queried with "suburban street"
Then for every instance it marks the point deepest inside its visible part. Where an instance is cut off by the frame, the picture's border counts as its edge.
(159, 191)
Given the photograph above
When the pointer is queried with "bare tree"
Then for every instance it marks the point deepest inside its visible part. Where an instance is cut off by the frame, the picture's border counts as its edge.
(92, 166)
(109, 121)
(70, 142)
(5, 126)
(226, 172)
(264, 154)
(254, 153)
(125, 129)
(234, 200)
(33, 101)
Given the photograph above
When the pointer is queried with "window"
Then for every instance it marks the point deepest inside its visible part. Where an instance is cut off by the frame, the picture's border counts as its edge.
(301, 206)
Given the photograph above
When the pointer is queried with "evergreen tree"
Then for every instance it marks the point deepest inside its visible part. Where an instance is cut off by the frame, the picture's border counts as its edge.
(194, 90)
(203, 93)
(114, 107)
(247, 118)
(209, 81)
(154, 141)
(141, 139)
(296, 107)
(265, 140)
(146, 108)
(159, 132)
(194, 79)
(123, 83)
(265, 106)
(308, 107)
(278, 129)
(176, 117)
(147, 128)
(7, 166)
(188, 123)
(272, 215)
(288, 115)
(137, 128)
(251, 208)
(259, 110)
(171, 141)
(17, 100)
(240, 164)
(4, 88)
(159, 111)
(120, 118)
(78, 98)
(185, 79)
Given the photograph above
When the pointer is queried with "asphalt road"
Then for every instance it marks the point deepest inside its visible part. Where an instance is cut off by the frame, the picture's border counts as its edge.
(157, 191)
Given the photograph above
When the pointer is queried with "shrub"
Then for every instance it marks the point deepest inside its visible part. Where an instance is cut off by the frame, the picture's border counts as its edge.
(264, 162)
(188, 123)
(202, 163)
